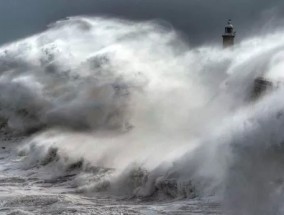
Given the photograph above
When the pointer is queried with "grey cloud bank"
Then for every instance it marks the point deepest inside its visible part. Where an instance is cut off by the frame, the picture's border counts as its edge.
(201, 21)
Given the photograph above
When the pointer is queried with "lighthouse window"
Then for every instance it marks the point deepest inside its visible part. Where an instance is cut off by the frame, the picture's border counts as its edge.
(229, 30)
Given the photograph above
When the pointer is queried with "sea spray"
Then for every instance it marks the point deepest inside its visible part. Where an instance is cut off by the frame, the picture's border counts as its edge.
(136, 112)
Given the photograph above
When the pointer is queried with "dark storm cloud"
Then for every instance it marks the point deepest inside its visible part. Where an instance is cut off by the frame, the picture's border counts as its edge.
(200, 20)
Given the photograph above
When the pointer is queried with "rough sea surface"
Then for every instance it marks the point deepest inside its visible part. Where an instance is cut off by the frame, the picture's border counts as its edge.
(30, 191)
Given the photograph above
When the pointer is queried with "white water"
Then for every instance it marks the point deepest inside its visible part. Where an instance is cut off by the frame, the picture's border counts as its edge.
(129, 110)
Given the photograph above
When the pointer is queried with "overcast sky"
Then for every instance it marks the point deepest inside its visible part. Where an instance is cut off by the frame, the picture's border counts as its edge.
(201, 21)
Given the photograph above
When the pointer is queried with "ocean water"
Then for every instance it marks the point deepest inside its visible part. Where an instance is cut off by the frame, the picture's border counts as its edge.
(109, 116)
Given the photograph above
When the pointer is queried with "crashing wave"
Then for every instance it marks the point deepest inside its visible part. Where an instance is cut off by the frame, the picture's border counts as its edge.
(129, 109)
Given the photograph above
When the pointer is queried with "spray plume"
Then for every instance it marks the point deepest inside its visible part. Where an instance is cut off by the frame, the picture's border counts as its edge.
(146, 113)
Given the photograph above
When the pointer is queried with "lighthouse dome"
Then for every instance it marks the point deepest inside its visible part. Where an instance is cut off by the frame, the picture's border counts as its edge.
(229, 24)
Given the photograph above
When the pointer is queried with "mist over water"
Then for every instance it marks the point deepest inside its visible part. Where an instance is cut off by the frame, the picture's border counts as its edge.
(144, 115)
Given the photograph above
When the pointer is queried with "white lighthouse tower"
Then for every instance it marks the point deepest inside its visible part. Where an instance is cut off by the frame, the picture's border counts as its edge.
(229, 35)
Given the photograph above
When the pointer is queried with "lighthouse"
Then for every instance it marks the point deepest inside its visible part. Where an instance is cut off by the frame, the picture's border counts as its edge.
(229, 35)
